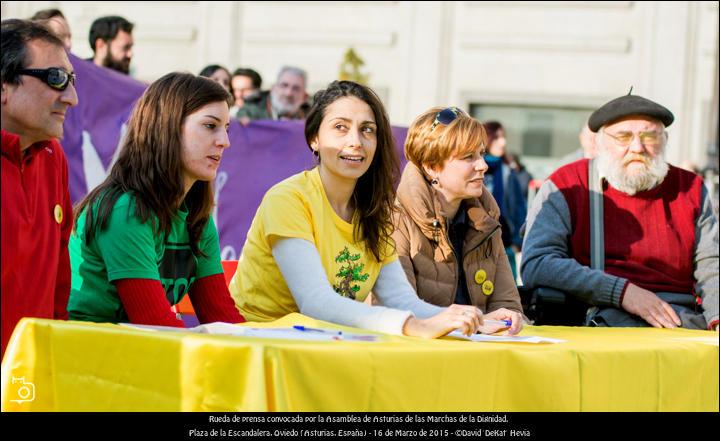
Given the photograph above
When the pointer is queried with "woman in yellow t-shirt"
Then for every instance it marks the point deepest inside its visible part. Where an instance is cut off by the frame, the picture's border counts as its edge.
(320, 240)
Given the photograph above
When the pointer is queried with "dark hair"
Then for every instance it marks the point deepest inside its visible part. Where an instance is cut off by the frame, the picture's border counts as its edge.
(210, 69)
(15, 36)
(107, 28)
(250, 73)
(47, 14)
(150, 162)
(374, 192)
(491, 129)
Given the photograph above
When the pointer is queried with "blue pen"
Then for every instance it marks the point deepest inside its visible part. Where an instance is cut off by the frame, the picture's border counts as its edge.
(324, 331)
(507, 323)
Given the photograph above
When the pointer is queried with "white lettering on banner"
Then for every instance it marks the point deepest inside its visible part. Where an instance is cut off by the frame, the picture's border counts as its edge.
(220, 181)
(228, 253)
(93, 167)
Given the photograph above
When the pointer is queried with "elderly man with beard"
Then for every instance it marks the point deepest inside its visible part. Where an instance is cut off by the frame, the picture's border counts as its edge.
(286, 100)
(660, 240)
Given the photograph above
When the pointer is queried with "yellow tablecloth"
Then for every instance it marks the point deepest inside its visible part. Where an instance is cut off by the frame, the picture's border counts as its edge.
(76, 366)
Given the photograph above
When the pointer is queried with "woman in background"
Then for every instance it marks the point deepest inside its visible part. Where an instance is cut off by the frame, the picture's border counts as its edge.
(503, 183)
(220, 75)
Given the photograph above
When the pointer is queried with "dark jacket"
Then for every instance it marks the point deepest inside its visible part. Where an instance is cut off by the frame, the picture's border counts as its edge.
(258, 106)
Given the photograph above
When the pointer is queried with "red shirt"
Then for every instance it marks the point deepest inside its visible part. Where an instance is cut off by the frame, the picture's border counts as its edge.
(36, 224)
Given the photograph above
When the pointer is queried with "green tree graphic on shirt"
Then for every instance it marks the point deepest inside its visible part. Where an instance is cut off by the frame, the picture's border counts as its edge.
(349, 272)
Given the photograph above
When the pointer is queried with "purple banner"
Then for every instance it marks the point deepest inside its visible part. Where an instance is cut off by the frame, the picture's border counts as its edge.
(260, 155)
(93, 127)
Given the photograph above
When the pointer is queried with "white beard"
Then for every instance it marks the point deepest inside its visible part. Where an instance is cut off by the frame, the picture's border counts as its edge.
(283, 108)
(616, 174)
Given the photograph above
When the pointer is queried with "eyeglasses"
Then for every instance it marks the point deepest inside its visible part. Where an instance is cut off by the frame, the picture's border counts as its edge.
(650, 139)
(54, 77)
(445, 117)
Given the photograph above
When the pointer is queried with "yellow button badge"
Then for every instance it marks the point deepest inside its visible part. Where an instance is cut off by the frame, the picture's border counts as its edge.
(58, 213)
(488, 287)
(480, 276)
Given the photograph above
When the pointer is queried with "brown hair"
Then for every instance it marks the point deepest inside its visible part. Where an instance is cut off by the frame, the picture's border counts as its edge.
(374, 192)
(150, 163)
(430, 146)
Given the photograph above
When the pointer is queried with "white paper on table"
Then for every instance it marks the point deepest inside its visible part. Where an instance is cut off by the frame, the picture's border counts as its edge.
(505, 338)
(221, 328)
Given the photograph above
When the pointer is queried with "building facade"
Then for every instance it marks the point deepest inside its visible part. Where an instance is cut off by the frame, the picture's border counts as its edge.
(539, 67)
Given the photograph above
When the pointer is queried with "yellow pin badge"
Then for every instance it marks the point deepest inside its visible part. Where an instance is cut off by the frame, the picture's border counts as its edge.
(58, 212)
(480, 276)
(488, 287)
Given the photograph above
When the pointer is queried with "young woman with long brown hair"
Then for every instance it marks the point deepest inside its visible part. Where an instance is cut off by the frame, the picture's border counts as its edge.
(145, 237)
(320, 241)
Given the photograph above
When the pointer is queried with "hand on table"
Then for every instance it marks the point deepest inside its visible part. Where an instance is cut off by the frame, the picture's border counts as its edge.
(503, 314)
(650, 307)
(465, 318)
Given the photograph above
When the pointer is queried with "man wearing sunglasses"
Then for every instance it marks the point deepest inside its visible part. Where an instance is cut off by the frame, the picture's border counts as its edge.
(627, 234)
(37, 90)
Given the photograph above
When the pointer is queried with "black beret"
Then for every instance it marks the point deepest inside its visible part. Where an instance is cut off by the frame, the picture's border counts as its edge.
(629, 105)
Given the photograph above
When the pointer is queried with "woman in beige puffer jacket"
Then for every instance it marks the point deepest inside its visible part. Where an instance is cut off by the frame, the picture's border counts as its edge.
(444, 212)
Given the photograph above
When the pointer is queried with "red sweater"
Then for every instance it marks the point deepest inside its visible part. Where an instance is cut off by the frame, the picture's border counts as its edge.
(36, 224)
(145, 302)
(649, 237)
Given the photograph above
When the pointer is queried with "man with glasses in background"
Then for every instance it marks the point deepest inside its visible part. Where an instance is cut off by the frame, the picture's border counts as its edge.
(658, 237)
(38, 88)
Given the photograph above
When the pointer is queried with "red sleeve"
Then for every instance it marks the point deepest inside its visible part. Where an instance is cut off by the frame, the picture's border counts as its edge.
(62, 281)
(711, 326)
(145, 302)
(212, 301)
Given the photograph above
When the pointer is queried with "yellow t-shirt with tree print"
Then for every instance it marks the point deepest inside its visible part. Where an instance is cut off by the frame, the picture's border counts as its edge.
(298, 208)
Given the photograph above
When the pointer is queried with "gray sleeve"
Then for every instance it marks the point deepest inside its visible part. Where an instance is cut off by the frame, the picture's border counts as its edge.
(300, 265)
(546, 260)
(706, 258)
(394, 291)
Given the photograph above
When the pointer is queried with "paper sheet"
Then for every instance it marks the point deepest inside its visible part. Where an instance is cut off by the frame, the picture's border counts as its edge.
(220, 328)
(505, 338)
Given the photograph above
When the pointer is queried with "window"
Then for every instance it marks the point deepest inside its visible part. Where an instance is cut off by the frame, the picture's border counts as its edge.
(542, 135)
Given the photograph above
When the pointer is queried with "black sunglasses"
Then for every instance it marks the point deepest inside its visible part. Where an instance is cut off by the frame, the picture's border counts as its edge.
(445, 116)
(54, 77)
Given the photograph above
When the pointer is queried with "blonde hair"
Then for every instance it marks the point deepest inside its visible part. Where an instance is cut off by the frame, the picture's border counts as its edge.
(432, 146)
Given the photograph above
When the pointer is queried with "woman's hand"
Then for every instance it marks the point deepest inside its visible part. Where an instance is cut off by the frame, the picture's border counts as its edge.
(467, 319)
(503, 314)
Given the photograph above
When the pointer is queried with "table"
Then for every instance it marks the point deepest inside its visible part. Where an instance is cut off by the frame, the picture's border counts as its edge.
(76, 366)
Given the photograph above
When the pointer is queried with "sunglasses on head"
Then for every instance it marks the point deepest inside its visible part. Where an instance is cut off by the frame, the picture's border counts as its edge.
(54, 77)
(445, 117)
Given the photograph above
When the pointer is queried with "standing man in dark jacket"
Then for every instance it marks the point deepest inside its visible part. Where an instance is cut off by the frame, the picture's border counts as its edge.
(286, 100)
(111, 41)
